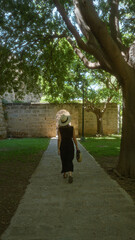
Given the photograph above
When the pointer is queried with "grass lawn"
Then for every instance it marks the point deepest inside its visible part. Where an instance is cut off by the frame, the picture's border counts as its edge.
(22, 149)
(103, 146)
(106, 151)
(18, 160)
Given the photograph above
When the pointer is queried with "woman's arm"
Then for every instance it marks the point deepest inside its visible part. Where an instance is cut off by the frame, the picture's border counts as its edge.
(59, 141)
(74, 138)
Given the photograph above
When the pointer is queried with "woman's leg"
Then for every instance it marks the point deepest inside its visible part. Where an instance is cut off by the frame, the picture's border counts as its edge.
(65, 175)
(70, 178)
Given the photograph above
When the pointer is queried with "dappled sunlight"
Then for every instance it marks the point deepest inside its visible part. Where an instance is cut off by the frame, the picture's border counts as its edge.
(112, 137)
(103, 146)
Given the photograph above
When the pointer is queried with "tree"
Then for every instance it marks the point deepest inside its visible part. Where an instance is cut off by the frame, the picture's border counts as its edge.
(107, 30)
(101, 33)
(96, 100)
(100, 89)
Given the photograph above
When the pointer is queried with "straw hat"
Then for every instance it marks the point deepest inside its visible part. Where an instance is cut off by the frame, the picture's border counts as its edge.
(64, 120)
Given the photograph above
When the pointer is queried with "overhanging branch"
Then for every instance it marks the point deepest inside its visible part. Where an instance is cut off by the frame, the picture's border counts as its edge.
(114, 24)
(86, 62)
(91, 46)
(107, 44)
(72, 29)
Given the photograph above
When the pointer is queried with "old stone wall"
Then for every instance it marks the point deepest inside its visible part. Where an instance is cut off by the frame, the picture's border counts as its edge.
(27, 98)
(110, 121)
(41, 120)
(37, 120)
(3, 131)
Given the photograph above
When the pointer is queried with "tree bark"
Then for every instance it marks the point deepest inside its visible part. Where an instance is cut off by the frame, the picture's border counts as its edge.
(100, 125)
(126, 164)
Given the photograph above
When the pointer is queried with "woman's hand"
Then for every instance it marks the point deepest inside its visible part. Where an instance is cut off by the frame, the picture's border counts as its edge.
(59, 141)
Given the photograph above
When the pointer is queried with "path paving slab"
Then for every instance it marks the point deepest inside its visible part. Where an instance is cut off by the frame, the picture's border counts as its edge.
(93, 207)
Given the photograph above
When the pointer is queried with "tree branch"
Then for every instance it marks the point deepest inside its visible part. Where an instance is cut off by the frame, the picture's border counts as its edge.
(86, 62)
(111, 85)
(107, 44)
(55, 35)
(90, 107)
(105, 104)
(114, 19)
(114, 24)
(91, 46)
(70, 26)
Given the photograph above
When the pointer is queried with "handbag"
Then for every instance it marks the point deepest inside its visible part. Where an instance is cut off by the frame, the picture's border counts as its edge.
(78, 156)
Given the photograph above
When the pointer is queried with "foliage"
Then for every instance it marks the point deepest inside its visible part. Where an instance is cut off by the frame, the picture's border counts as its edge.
(67, 87)
(34, 46)
(101, 88)
(25, 27)
(98, 86)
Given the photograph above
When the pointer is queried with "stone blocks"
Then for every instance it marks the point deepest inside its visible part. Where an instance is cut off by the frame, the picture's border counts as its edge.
(41, 120)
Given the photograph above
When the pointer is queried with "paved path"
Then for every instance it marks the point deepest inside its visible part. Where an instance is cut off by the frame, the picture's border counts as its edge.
(93, 207)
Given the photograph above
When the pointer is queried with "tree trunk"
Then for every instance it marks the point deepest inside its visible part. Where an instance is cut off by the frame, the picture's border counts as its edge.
(99, 124)
(126, 164)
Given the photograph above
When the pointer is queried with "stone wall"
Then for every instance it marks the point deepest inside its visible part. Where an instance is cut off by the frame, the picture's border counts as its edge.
(3, 131)
(110, 121)
(41, 120)
(27, 98)
(36, 120)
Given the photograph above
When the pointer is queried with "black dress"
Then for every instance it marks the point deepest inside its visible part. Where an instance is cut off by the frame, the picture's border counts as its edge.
(66, 148)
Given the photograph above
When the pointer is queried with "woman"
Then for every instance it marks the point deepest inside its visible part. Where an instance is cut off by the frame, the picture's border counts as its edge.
(66, 136)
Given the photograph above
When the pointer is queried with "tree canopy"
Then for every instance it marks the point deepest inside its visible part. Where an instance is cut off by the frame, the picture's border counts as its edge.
(30, 46)
(35, 41)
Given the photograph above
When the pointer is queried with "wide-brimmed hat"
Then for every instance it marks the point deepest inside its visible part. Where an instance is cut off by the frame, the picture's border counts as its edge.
(64, 120)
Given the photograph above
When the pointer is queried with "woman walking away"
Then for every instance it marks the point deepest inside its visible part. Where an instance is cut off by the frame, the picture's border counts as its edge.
(66, 136)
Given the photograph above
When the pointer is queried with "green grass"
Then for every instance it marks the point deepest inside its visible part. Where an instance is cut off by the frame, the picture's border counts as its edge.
(19, 149)
(103, 146)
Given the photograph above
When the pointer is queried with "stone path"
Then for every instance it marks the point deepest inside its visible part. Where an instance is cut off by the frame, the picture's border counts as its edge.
(93, 207)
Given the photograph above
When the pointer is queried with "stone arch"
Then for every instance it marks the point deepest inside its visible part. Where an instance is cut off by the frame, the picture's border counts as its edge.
(58, 115)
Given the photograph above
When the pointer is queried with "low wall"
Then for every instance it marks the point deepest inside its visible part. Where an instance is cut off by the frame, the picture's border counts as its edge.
(36, 120)
(3, 131)
(41, 120)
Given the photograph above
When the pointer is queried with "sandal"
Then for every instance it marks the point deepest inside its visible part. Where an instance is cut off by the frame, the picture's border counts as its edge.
(64, 175)
(70, 179)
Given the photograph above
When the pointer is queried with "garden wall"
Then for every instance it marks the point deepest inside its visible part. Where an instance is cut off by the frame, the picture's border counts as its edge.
(41, 120)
